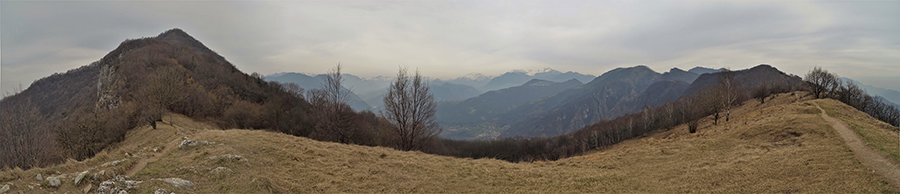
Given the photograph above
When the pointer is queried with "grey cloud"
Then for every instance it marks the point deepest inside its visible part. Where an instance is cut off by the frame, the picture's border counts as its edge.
(449, 39)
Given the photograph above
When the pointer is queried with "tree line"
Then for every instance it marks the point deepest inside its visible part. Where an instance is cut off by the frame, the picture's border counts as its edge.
(824, 84)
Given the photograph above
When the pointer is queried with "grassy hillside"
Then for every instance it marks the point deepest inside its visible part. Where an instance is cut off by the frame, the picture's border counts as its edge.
(877, 134)
(780, 146)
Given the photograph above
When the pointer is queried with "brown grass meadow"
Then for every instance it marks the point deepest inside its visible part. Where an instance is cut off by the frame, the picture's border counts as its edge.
(782, 146)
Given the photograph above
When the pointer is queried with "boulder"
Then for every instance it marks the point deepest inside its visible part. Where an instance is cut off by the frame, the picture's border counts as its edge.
(4, 188)
(117, 185)
(80, 177)
(219, 169)
(39, 177)
(160, 191)
(177, 182)
(106, 187)
(53, 181)
(188, 142)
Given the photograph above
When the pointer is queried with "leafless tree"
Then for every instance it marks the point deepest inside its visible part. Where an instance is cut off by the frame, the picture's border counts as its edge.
(25, 139)
(728, 91)
(409, 105)
(333, 89)
(761, 92)
(336, 119)
(820, 81)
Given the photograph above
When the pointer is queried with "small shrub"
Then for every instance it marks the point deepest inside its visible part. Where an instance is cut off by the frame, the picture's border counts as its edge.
(692, 126)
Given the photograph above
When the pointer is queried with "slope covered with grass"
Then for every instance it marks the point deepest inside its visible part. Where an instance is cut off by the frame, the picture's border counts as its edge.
(781, 146)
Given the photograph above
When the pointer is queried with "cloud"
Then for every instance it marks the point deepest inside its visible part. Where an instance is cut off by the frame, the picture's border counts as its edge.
(450, 39)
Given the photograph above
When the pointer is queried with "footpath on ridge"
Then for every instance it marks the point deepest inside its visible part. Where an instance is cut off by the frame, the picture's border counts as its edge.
(871, 158)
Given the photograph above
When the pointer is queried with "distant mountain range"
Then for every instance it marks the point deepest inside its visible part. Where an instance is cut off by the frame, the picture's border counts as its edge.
(461, 118)
(613, 94)
(547, 102)
(518, 77)
(892, 96)
(308, 83)
(367, 93)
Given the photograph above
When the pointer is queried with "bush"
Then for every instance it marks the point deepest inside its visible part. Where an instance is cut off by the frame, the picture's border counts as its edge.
(692, 126)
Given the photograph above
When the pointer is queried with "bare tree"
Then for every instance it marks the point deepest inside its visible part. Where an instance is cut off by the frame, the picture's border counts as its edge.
(728, 91)
(25, 139)
(333, 89)
(336, 119)
(761, 92)
(410, 107)
(820, 82)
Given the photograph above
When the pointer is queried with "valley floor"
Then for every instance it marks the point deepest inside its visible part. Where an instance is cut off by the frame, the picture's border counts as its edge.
(784, 145)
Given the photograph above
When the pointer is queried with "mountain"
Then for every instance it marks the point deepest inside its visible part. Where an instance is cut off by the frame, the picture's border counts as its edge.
(679, 75)
(488, 105)
(577, 107)
(473, 79)
(701, 70)
(518, 77)
(309, 83)
(452, 92)
(656, 94)
(888, 94)
(84, 110)
(747, 79)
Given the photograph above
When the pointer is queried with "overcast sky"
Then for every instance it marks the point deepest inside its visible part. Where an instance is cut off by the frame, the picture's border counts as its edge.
(452, 38)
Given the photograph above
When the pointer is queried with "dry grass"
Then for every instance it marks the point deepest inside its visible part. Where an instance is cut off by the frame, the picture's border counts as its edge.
(774, 147)
(877, 134)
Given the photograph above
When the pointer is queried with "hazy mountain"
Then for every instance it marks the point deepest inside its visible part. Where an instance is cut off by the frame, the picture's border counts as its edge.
(452, 92)
(518, 77)
(680, 75)
(888, 94)
(656, 94)
(308, 83)
(475, 80)
(574, 108)
(488, 105)
(366, 85)
(474, 117)
(701, 70)
(748, 79)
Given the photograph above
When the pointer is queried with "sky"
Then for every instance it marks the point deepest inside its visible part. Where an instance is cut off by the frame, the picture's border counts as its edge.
(448, 39)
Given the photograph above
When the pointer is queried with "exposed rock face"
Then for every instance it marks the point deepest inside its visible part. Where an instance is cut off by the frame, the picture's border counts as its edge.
(108, 99)
(177, 182)
(53, 181)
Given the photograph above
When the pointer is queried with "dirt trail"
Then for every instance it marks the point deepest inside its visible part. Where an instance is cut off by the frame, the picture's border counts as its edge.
(141, 163)
(871, 158)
